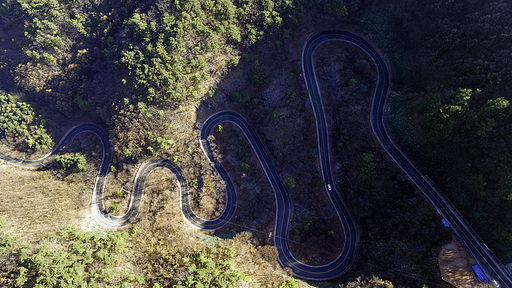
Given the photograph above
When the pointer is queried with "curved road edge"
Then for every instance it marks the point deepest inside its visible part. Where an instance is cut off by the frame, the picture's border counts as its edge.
(283, 205)
(489, 263)
(485, 258)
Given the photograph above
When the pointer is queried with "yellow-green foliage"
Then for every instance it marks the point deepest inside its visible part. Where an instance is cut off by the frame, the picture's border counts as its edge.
(442, 115)
(213, 267)
(171, 54)
(289, 283)
(76, 160)
(367, 165)
(44, 22)
(7, 240)
(18, 119)
(74, 258)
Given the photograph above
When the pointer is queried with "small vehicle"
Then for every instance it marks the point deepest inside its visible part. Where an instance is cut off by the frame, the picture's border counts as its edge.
(495, 283)
(329, 187)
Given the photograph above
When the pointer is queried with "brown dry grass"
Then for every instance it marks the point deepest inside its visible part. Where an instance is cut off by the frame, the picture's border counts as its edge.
(34, 203)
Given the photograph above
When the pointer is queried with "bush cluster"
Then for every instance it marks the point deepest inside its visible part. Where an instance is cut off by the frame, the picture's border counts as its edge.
(74, 258)
(213, 267)
(77, 160)
(44, 22)
(18, 120)
(455, 113)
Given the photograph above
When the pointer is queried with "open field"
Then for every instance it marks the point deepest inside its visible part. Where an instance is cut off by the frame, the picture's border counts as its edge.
(34, 203)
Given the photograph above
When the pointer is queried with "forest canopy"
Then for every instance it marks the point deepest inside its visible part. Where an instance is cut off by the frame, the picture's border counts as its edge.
(101, 57)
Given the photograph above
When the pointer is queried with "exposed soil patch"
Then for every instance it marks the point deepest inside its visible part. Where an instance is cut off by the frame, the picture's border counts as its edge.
(455, 265)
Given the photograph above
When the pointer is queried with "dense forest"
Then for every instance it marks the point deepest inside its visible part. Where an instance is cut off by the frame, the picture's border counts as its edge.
(145, 56)
(130, 65)
(456, 107)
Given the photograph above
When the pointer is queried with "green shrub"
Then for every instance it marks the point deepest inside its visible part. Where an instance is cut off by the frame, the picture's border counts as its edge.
(7, 240)
(453, 112)
(367, 166)
(213, 267)
(275, 115)
(245, 167)
(74, 258)
(290, 182)
(289, 283)
(477, 183)
(39, 139)
(159, 143)
(19, 121)
(290, 96)
(114, 207)
(77, 160)
(260, 75)
(44, 21)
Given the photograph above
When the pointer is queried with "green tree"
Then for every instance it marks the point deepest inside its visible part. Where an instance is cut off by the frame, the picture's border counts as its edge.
(212, 267)
(504, 190)
(18, 121)
(39, 139)
(453, 112)
(289, 283)
(335, 6)
(367, 165)
(165, 142)
(77, 160)
(74, 258)
(441, 115)
(260, 75)
(44, 21)
(290, 182)
(494, 110)
(477, 183)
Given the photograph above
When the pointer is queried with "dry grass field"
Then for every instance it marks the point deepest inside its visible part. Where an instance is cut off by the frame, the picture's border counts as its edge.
(34, 203)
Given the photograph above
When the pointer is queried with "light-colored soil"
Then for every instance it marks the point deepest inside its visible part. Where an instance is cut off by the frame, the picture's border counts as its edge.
(455, 266)
(34, 203)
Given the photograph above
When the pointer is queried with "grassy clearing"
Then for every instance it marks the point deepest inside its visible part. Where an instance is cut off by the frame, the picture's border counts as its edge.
(34, 203)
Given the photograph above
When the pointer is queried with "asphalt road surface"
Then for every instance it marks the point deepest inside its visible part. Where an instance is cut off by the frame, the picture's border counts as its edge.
(493, 268)
(486, 259)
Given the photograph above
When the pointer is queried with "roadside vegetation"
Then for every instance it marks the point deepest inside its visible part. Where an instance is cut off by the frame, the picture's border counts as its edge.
(145, 56)
(453, 112)
(77, 160)
(20, 124)
(75, 258)
(139, 67)
(7, 240)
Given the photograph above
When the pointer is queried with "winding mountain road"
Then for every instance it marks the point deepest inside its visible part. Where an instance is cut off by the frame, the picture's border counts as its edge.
(342, 263)
(493, 268)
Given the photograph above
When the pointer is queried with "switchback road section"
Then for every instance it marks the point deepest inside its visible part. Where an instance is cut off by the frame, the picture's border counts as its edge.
(283, 205)
(490, 264)
(486, 259)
